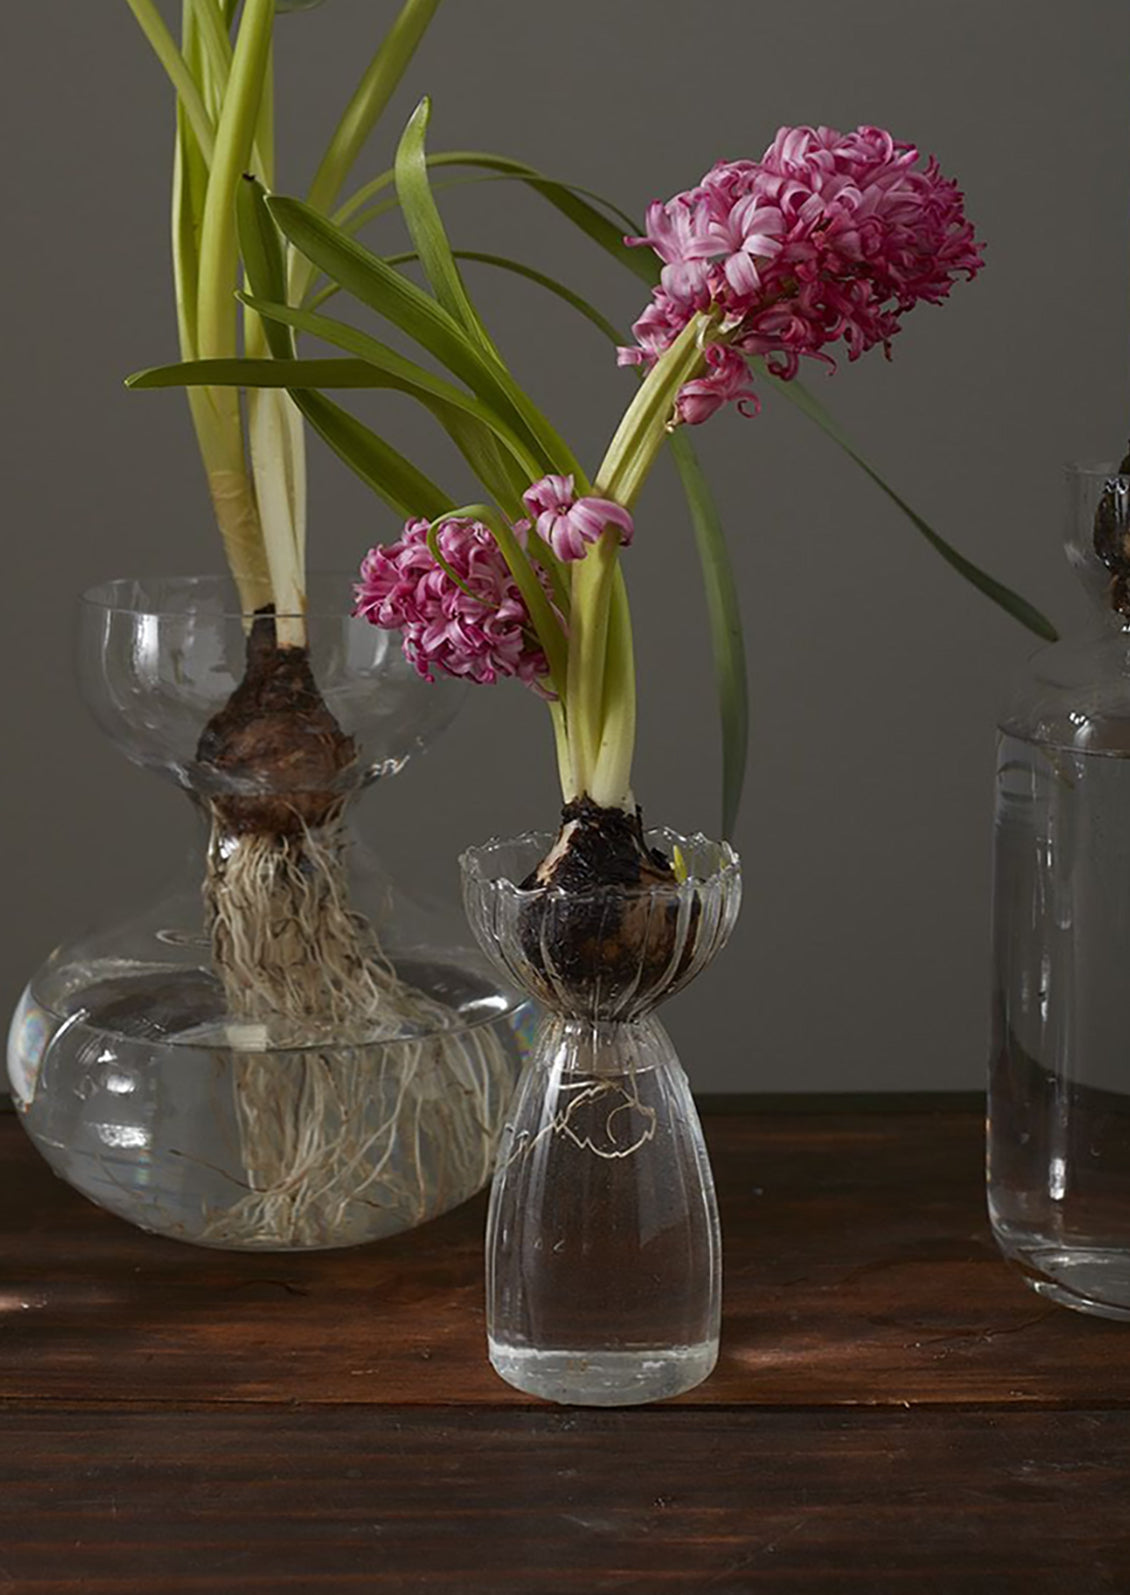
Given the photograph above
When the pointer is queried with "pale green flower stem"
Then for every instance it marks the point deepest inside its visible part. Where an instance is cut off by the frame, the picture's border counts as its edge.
(600, 694)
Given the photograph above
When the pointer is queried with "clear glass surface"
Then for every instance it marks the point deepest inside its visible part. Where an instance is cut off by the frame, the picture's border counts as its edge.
(157, 658)
(603, 1248)
(1059, 1089)
(244, 1123)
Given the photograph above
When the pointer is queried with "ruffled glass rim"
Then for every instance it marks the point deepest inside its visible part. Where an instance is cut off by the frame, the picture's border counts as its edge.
(474, 864)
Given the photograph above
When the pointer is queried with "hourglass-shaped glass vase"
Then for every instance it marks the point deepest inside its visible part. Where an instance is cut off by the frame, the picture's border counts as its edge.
(603, 1249)
(284, 1050)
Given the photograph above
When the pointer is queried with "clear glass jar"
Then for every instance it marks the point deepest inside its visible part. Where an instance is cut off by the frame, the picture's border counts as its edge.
(603, 1248)
(1059, 1089)
(285, 1049)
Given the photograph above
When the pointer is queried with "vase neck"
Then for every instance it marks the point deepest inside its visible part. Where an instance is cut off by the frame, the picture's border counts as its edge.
(1098, 538)
(588, 1049)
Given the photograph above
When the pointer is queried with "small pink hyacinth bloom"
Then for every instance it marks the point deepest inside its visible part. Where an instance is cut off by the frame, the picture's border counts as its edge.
(481, 634)
(726, 380)
(830, 236)
(568, 523)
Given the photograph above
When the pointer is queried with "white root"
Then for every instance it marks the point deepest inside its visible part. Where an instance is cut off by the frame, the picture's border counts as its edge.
(373, 1109)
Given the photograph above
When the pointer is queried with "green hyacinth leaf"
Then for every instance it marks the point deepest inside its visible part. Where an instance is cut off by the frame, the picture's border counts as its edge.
(726, 635)
(406, 374)
(423, 319)
(1011, 602)
(404, 488)
(272, 373)
(467, 423)
(379, 82)
(596, 216)
(426, 228)
(540, 278)
(264, 259)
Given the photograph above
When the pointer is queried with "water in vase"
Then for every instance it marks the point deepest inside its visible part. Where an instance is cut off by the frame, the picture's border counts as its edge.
(1059, 1105)
(603, 1243)
(145, 1096)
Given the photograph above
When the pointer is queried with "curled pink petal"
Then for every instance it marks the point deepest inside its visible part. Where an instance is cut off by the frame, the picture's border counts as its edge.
(548, 493)
(725, 381)
(830, 237)
(569, 524)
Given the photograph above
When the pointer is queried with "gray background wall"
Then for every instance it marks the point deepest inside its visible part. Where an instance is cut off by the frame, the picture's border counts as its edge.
(860, 960)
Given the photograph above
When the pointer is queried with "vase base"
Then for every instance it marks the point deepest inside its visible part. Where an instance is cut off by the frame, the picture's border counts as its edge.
(598, 1378)
(1094, 1281)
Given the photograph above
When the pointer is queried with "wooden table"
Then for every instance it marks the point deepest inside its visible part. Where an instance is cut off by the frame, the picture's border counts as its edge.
(894, 1411)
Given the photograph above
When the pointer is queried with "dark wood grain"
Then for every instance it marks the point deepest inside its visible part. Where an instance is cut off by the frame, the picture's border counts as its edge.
(894, 1411)
(548, 1503)
(859, 1270)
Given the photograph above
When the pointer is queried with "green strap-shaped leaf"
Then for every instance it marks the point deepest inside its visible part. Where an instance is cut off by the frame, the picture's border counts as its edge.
(427, 231)
(372, 95)
(569, 201)
(190, 185)
(416, 313)
(264, 260)
(1012, 603)
(584, 209)
(499, 458)
(460, 416)
(235, 134)
(273, 373)
(550, 284)
(359, 219)
(727, 641)
(412, 378)
(352, 219)
(406, 490)
(316, 298)
(164, 47)
(208, 18)
(426, 227)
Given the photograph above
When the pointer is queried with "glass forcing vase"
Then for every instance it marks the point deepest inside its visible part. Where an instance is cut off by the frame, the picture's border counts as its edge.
(284, 1050)
(603, 1247)
(1059, 1089)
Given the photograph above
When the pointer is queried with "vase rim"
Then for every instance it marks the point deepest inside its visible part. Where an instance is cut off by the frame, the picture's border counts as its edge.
(1099, 469)
(727, 872)
(329, 594)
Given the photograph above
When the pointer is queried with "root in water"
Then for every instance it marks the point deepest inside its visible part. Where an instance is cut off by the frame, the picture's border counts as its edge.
(397, 1109)
(354, 1091)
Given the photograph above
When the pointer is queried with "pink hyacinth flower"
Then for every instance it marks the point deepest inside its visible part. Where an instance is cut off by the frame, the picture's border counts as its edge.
(830, 237)
(569, 524)
(477, 628)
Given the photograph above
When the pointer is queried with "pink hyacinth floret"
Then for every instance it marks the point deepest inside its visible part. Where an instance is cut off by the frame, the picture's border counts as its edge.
(726, 380)
(568, 523)
(481, 637)
(829, 236)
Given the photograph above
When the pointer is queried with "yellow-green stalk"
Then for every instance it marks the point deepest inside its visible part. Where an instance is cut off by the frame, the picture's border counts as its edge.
(600, 714)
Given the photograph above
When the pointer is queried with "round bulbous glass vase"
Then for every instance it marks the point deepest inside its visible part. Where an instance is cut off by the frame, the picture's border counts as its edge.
(603, 1248)
(1059, 1088)
(285, 1049)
